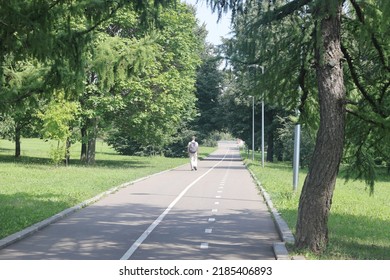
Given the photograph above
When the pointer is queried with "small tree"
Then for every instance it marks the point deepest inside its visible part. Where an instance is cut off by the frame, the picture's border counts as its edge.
(57, 119)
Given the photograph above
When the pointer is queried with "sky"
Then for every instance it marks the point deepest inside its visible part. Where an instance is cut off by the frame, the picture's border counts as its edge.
(215, 30)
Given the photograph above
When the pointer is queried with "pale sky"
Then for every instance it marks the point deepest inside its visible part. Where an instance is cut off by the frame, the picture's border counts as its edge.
(215, 30)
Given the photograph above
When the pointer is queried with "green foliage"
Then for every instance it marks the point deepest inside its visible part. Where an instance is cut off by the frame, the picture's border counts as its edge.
(209, 88)
(284, 44)
(7, 126)
(158, 100)
(366, 49)
(285, 136)
(289, 40)
(57, 152)
(178, 147)
(22, 93)
(57, 119)
(236, 111)
(58, 32)
(125, 67)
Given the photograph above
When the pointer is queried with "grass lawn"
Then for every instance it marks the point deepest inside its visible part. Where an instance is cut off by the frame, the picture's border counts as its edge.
(32, 189)
(359, 224)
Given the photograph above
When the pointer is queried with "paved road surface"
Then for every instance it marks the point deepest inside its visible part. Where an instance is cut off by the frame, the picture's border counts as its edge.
(213, 213)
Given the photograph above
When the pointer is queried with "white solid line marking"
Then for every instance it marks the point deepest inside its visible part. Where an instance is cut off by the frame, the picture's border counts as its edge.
(204, 245)
(211, 219)
(149, 230)
(208, 230)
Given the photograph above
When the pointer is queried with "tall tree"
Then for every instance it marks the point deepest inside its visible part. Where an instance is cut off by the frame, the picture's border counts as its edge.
(209, 86)
(290, 39)
(316, 196)
(113, 60)
(159, 100)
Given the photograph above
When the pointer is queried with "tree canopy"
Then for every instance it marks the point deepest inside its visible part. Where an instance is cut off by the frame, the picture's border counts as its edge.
(131, 72)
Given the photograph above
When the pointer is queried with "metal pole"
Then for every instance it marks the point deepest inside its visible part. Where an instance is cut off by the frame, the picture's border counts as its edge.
(262, 133)
(253, 128)
(297, 142)
(262, 124)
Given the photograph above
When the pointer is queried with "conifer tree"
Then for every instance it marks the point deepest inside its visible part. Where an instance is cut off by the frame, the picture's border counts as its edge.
(336, 52)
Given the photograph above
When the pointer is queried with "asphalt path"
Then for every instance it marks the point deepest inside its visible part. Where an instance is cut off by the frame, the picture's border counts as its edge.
(213, 213)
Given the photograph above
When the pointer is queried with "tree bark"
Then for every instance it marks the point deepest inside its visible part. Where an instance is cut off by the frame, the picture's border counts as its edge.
(17, 140)
(316, 196)
(67, 151)
(270, 146)
(83, 155)
(92, 135)
(91, 150)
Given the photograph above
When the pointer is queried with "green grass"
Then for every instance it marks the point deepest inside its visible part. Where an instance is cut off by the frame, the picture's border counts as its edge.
(359, 224)
(32, 189)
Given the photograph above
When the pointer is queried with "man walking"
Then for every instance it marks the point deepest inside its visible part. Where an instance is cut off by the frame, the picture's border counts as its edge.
(192, 149)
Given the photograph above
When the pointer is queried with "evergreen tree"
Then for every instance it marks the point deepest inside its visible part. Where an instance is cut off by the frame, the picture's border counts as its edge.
(22, 94)
(209, 87)
(341, 68)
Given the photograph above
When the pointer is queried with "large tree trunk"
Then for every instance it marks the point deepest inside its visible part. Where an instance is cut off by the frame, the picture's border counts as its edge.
(88, 146)
(91, 150)
(316, 197)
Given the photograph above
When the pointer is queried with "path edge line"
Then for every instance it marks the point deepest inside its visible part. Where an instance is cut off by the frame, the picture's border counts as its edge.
(285, 234)
(24, 233)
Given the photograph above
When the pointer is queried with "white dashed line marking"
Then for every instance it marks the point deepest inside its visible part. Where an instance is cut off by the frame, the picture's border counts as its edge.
(208, 230)
(211, 219)
(204, 245)
(156, 222)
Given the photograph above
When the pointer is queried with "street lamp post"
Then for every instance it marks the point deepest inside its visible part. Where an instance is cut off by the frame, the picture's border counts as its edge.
(297, 141)
(253, 127)
(262, 133)
(262, 122)
(297, 144)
